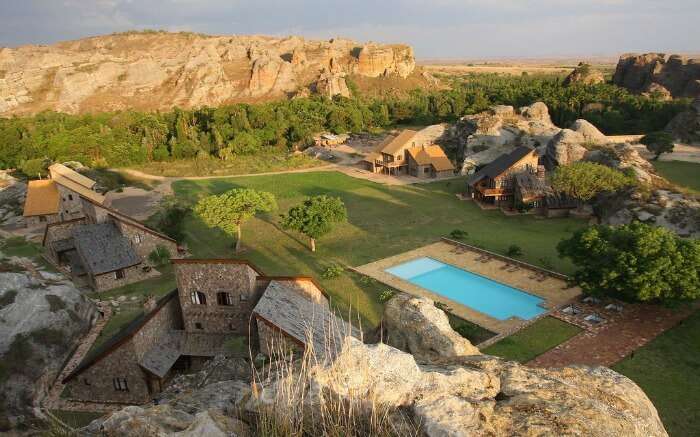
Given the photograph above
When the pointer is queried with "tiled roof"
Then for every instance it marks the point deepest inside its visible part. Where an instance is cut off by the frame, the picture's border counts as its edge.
(160, 358)
(103, 248)
(302, 319)
(398, 142)
(500, 164)
(433, 155)
(60, 170)
(42, 198)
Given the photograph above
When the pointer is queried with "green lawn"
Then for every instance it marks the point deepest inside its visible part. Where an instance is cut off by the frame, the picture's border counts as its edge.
(383, 221)
(533, 340)
(667, 369)
(685, 174)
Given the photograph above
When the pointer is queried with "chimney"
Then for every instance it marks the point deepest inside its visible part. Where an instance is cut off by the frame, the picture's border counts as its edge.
(540, 172)
(149, 304)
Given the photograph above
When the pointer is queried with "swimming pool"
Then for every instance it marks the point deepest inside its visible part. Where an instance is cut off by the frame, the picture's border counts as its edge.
(475, 291)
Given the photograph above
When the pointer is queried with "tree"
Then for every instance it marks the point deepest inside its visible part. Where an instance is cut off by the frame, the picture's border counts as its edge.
(658, 143)
(229, 210)
(315, 217)
(634, 262)
(584, 180)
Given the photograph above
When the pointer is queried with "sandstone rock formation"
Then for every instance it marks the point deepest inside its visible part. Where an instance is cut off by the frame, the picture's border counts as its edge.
(657, 73)
(449, 395)
(42, 316)
(159, 70)
(686, 125)
(416, 326)
(584, 74)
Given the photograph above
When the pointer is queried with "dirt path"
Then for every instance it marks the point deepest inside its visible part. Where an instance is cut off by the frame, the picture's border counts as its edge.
(681, 152)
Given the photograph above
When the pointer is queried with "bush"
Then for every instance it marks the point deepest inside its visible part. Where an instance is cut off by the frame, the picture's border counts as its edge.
(159, 256)
(332, 271)
(170, 220)
(546, 263)
(514, 251)
(386, 295)
(459, 234)
(35, 168)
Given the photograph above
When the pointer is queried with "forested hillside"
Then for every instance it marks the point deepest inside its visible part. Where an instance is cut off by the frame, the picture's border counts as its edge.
(131, 137)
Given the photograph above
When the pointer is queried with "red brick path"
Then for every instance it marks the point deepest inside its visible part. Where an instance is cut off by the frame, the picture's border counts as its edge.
(608, 343)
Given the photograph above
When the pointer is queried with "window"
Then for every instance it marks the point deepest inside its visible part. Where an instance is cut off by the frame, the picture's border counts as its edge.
(137, 238)
(244, 297)
(120, 384)
(119, 274)
(198, 298)
(224, 299)
(70, 197)
(426, 169)
(86, 381)
(198, 325)
(42, 218)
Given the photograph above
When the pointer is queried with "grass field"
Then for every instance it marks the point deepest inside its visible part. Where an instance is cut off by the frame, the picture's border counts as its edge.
(667, 370)
(685, 174)
(243, 164)
(533, 340)
(383, 221)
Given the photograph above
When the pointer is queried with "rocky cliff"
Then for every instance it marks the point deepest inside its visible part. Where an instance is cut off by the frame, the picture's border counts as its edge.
(377, 389)
(159, 70)
(656, 73)
(584, 74)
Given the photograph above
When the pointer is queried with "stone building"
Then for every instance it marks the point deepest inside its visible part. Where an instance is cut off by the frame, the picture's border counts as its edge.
(494, 184)
(60, 197)
(104, 249)
(216, 300)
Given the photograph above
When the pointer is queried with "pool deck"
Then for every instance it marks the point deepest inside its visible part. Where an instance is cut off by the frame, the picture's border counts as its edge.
(553, 290)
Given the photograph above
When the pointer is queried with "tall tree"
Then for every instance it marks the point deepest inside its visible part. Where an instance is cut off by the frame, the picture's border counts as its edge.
(658, 143)
(584, 180)
(315, 217)
(229, 210)
(635, 262)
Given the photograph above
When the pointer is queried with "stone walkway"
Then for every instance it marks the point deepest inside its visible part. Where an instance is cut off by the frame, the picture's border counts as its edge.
(53, 400)
(609, 342)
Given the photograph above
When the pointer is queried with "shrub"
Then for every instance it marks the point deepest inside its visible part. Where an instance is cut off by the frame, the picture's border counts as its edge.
(546, 263)
(514, 251)
(386, 295)
(459, 234)
(35, 168)
(159, 256)
(332, 271)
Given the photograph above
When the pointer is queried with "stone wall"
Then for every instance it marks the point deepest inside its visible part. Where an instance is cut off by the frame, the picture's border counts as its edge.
(70, 205)
(35, 220)
(108, 281)
(95, 384)
(210, 278)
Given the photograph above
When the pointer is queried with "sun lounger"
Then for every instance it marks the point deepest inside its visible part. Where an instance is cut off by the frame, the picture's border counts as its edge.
(513, 269)
(505, 266)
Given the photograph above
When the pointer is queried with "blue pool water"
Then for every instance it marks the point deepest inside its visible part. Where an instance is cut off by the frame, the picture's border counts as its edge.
(477, 292)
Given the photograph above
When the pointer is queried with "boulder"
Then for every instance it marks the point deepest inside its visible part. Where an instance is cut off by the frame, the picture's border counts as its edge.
(332, 84)
(565, 148)
(584, 74)
(415, 325)
(686, 125)
(590, 133)
(537, 111)
(41, 321)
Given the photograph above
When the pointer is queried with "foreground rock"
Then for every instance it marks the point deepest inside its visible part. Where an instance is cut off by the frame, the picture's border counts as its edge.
(418, 327)
(159, 70)
(12, 194)
(41, 320)
(656, 73)
(390, 392)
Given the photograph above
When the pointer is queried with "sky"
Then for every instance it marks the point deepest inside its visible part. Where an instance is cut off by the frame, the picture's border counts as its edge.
(459, 29)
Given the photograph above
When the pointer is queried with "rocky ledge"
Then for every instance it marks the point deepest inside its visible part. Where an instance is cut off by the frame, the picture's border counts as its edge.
(160, 70)
(655, 73)
(451, 391)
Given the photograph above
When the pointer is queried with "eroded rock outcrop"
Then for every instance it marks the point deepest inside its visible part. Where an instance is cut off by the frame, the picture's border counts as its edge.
(42, 316)
(656, 73)
(416, 326)
(159, 70)
(686, 125)
(584, 74)
(451, 394)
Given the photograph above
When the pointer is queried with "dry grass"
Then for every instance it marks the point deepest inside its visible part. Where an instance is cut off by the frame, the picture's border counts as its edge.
(292, 406)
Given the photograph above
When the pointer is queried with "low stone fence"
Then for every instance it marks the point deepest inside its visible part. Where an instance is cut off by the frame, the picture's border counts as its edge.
(507, 259)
